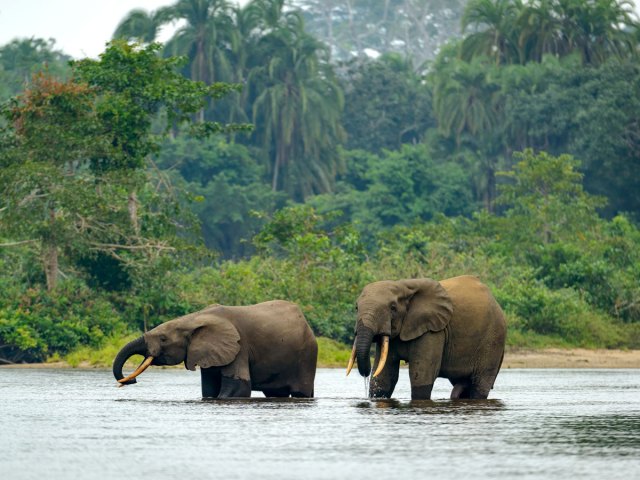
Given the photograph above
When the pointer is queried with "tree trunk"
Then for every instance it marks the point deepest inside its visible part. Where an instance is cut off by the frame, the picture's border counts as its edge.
(133, 212)
(50, 255)
(50, 260)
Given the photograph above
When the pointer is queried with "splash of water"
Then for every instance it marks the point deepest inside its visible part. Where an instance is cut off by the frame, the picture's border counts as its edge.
(366, 386)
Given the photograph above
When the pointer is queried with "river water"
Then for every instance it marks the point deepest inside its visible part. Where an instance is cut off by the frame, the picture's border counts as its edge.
(537, 424)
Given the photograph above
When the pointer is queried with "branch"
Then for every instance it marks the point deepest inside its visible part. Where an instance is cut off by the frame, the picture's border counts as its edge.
(33, 195)
(13, 244)
(130, 247)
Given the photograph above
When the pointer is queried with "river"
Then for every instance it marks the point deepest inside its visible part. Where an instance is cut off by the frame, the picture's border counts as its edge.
(537, 424)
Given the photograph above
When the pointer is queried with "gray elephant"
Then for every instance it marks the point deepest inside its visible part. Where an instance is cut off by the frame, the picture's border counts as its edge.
(452, 329)
(267, 347)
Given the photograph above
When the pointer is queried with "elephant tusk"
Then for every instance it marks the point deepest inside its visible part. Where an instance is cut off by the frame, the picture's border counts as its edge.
(383, 355)
(143, 366)
(352, 359)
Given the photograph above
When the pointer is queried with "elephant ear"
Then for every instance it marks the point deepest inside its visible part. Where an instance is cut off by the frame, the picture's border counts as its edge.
(429, 308)
(214, 343)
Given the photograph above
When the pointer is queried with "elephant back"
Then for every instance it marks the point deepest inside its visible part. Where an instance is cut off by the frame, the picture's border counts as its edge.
(477, 319)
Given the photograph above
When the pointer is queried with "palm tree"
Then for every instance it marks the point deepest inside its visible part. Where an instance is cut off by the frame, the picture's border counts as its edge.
(204, 37)
(495, 34)
(464, 99)
(467, 107)
(539, 28)
(297, 106)
(138, 25)
(598, 29)
(513, 31)
(248, 29)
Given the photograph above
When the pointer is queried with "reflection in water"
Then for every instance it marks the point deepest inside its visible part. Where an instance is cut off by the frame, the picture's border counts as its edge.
(259, 402)
(433, 407)
(546, 424)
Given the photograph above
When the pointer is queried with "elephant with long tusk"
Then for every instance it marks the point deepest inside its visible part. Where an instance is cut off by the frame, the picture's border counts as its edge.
(267, 347)
(453, 329)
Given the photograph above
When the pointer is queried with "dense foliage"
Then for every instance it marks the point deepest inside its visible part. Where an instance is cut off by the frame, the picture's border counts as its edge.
(511, 155)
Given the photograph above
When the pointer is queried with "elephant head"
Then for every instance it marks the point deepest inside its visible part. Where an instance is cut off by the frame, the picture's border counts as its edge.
(202, 339)
(390, 309)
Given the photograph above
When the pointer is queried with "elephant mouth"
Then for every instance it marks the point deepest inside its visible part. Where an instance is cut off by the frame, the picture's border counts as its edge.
(382, 343)
(143, 366)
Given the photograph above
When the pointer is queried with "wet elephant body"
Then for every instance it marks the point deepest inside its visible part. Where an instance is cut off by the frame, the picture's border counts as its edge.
(452, 329)
(267, 347)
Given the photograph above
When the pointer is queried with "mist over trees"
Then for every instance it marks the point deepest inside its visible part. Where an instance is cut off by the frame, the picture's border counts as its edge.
(301, 149)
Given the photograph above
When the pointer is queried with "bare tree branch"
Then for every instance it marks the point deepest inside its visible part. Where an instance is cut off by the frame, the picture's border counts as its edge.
(13, 244)
(148, 246)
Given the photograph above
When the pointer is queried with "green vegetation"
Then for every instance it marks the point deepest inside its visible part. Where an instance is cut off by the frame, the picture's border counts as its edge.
(133, 191)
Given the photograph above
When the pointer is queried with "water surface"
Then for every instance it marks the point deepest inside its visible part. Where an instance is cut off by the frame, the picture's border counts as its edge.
(63, 424)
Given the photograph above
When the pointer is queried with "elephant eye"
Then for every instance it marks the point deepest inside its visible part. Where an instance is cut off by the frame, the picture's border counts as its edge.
(393, 307)
(163, 338)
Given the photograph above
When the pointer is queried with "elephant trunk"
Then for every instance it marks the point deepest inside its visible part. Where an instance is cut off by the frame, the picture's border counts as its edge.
(134, 347)
(364, 337)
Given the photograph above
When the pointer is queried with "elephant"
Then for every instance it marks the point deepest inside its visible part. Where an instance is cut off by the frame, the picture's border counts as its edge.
(267, 347)
(452, 329)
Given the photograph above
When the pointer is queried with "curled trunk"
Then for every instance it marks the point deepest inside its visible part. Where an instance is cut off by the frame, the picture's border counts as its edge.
(135, 347)
(364, 337)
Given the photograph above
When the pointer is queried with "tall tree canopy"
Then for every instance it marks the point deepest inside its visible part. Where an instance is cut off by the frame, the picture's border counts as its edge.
(517, 31)
(74, 152)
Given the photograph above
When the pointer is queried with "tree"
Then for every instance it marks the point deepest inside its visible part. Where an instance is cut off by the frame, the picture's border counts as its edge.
(205, 36)
(546, 198)
(139, 25)
(296, 106)
(513, 31)
(605, 133)
(226, 187)
(21, 59)
(50, 199)
(74, 149)
(135, 85)
(468, 109)
(498, 39)
(386, 104)
(397, 188)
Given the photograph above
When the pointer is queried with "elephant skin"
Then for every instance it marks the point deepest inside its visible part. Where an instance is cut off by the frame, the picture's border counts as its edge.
(451, 329)
(267, 347)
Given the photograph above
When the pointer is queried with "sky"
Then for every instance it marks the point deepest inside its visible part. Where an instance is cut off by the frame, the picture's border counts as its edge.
(80, 27)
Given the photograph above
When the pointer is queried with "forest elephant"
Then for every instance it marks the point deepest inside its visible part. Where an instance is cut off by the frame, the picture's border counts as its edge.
(267, 347)
(452, 329)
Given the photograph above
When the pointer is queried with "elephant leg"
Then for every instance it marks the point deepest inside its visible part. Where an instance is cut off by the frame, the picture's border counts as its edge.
(303, 385)
(384, 384)
(236, 377)
(211, 380)
(298, 394)
(234, 387)
(480, 388)
(276, 392)
(460, 390)
(425, 357)
(482, 381)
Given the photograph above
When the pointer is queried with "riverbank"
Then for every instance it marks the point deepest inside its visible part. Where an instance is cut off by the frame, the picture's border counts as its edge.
(571, 358)
(515, 358)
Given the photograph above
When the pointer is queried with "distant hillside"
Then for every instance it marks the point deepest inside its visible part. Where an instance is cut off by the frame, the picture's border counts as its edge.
(416, 28)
